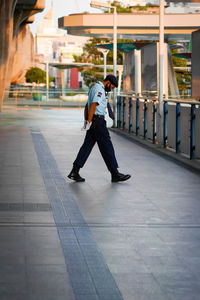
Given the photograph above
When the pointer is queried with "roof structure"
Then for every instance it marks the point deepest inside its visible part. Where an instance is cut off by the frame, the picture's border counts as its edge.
(131, 25)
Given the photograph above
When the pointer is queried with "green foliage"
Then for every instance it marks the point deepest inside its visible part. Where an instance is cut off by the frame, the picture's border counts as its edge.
(183, 80)
(36, 75)
(120, 9)
(141, 8)
(94, 56)
(123, 9)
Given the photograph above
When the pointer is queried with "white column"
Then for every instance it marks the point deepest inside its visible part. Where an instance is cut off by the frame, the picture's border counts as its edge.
(161, 57)
(47, 81)
(105, 52)
(62, 81)
(115, 42)
(161, 75)
(120, 71)
(138, 72)
(105, 62)
(114, 57)
(166, 83)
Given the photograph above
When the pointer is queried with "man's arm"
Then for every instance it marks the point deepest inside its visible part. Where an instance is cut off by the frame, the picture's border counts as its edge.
(91, 111)
(86, 112)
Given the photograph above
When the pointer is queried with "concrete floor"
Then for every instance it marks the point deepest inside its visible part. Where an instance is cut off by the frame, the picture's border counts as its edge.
(137, 240)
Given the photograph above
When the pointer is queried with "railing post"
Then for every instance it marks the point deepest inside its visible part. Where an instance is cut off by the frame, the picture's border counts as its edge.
(192, 128)
(154, 122)
(137, 116)
(178, 127)
(130, 115)
(124, 110)
(165, 124)
(119, 111)
(145, 118)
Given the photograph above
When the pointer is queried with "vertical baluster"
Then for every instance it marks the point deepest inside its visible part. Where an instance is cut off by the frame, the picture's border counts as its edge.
(124, 112)
(118, 111)
(130, 115)
(192, 131)
(165, 123)
(178, 114)
(145, 118)
(137, 116)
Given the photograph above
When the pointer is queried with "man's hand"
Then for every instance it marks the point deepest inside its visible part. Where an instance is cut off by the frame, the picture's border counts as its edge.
(86, 125)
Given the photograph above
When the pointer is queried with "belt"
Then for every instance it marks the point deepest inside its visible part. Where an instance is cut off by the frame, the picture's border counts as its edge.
(98, 117)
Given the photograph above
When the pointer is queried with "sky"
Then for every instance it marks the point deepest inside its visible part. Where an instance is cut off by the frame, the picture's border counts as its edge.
(63, 8)
(66, 7)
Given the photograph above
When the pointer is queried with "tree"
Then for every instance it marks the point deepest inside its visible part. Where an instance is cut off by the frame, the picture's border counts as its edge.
(37, 75)
(92, 55)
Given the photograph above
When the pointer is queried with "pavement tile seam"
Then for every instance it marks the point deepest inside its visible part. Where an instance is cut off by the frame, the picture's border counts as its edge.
(27, 207)
(101, 284)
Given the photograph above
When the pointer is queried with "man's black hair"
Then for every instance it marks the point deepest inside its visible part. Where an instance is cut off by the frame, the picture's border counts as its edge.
(112, 79)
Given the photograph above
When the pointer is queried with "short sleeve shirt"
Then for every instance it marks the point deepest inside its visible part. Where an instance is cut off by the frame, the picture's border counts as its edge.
(98, 95)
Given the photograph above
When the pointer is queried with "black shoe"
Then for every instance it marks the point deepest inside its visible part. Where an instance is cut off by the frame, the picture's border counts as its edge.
(74, 174)
(116, 177)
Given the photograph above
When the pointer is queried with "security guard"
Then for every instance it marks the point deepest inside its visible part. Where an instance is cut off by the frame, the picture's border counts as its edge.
(97, 131)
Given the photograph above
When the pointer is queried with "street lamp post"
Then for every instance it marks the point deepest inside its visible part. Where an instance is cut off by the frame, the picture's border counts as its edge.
(47, 81)
(114, 59)
(99, 4)
(104, 52)
(161, 71)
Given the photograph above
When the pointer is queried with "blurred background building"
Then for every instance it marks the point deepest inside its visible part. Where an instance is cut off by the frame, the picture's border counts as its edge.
(54, 45)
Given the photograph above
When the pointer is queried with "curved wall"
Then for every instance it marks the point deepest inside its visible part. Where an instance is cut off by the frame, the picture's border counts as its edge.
(14, 16)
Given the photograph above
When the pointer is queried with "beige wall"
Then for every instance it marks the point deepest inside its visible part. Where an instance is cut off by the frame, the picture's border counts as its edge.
(24, 55)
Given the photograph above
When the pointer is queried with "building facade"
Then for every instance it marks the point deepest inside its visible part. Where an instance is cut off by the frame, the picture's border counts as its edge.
(54, 45)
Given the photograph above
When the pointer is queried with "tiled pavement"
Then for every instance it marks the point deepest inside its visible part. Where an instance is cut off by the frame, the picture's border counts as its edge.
(137, 240)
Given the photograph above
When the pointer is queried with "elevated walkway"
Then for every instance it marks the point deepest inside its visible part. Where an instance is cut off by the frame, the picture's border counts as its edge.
(95, 240)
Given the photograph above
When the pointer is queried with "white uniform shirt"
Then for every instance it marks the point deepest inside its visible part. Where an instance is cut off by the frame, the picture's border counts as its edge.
(98, 95)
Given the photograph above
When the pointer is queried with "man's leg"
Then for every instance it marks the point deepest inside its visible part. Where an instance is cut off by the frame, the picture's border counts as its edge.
(85, 149)
(82, 156)
(106, 147)
(107, 151)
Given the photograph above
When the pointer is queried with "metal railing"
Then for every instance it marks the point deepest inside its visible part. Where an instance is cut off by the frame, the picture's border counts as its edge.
(181, 122)
(41, 97)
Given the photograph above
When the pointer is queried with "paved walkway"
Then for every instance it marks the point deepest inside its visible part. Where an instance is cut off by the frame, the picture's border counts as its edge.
(60, 240)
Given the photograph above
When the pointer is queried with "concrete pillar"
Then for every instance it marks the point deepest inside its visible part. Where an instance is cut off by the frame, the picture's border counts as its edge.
(138, 74)
(6, 34)
(12, 15)
(195, 64)
(159, 126)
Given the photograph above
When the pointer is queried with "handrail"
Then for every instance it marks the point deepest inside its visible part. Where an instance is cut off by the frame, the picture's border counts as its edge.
(149, 97)
(180, 122)
(188, 101)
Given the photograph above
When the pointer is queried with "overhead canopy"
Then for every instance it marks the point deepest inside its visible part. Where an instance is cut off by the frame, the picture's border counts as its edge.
(183, 55)
(183, 72)
(127, 47)
(63, 66)
(123, 47)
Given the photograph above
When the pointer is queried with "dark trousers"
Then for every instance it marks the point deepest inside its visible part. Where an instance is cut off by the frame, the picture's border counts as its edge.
(98, 132)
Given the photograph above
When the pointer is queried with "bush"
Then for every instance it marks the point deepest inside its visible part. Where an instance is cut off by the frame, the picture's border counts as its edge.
(37, 75)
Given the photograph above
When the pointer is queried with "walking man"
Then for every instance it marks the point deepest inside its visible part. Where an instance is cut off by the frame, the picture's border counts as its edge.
(97, 131)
